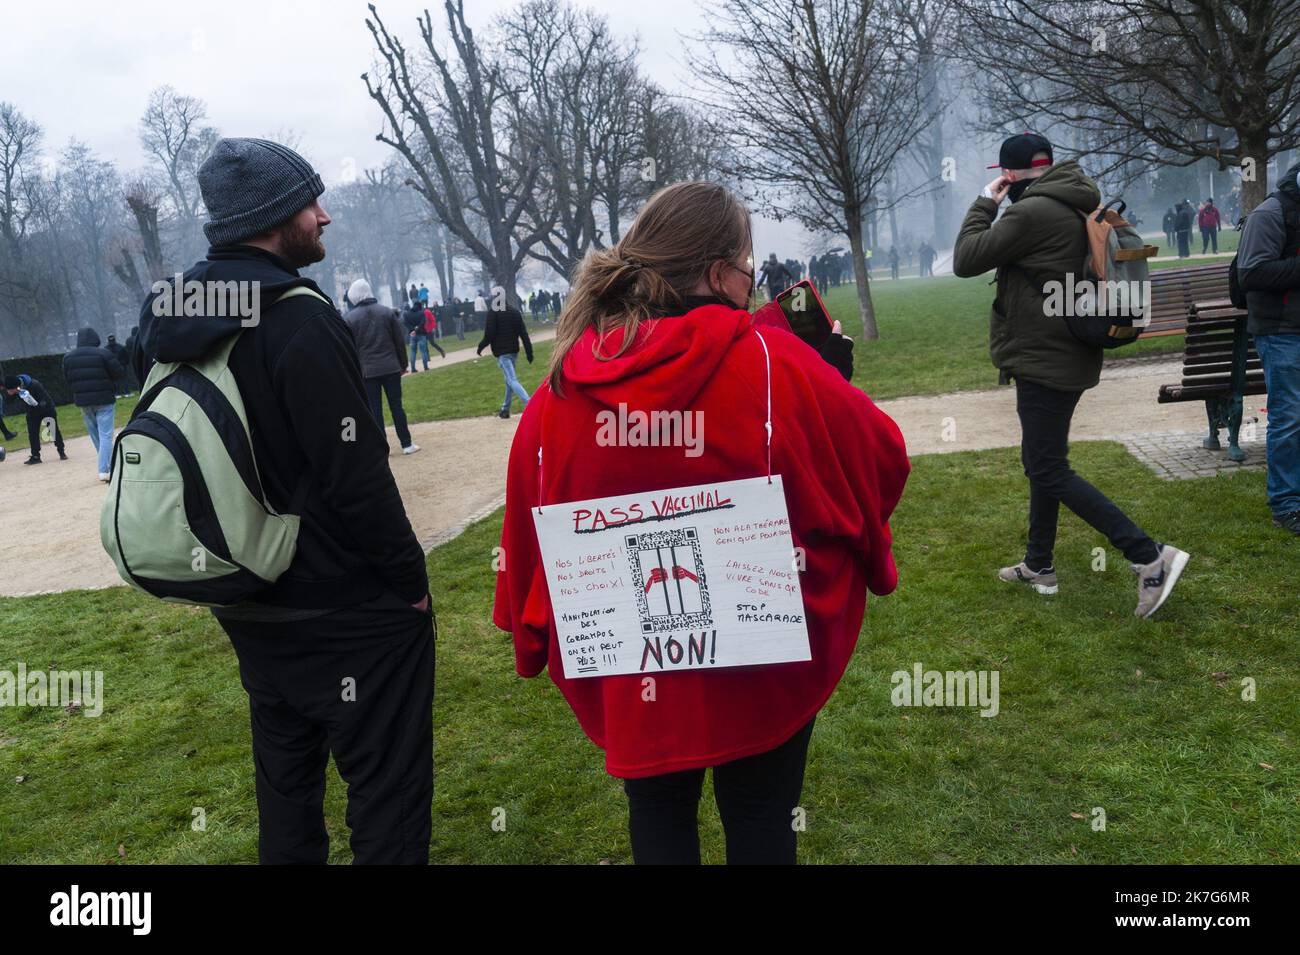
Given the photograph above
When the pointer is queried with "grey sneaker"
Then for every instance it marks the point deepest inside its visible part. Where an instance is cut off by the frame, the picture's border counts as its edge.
(1043, 582)
(1156, 580)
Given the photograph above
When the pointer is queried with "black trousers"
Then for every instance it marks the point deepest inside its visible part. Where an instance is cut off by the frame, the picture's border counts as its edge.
(34, 418)
(1209, 237)
(357, 683)
(756, 797)
(1045, 415)
(391, 387)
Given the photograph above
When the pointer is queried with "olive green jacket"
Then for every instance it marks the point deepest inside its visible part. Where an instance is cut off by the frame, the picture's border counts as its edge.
(1038, 239)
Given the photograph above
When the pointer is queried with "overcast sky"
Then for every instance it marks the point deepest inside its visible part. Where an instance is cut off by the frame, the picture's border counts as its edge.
(85, 69)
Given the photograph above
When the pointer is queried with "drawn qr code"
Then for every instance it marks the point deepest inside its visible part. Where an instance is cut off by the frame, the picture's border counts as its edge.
(672, 592)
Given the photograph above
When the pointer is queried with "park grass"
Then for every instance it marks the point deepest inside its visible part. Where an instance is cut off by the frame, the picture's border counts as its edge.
(1141, 718)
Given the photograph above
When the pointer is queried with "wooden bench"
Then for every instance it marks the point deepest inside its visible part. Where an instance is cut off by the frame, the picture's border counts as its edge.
(1174, 292)
(1220, 367)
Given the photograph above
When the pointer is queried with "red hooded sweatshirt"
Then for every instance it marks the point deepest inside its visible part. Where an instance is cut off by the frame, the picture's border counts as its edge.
(843, 465)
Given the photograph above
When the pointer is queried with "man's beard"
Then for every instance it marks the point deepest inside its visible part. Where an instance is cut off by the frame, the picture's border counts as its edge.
(301, 247)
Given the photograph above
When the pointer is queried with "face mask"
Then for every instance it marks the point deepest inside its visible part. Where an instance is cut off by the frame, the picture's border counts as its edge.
(1018, 188)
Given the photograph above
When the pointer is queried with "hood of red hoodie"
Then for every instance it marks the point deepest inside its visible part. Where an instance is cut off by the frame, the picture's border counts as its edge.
(667, 365)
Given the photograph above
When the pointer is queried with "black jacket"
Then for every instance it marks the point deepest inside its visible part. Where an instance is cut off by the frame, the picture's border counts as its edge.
(300, 380)
(503, 331)
(1267, 264)
(380, 337)
(93, 373)
(413, 320)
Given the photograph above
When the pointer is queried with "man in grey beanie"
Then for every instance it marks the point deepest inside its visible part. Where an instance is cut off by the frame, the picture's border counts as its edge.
(354, 604)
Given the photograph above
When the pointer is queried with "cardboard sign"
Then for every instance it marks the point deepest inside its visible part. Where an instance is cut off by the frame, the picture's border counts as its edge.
(690, 578)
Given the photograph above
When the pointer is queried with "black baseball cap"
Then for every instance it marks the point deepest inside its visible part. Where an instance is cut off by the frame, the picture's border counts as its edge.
(1018, 152)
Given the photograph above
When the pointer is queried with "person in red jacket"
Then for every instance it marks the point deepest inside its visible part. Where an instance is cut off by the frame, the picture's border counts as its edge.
(431, 333)
(659, 323)
(1208, 219)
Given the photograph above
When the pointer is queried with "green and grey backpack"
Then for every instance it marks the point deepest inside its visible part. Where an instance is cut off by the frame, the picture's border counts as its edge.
(186, 518)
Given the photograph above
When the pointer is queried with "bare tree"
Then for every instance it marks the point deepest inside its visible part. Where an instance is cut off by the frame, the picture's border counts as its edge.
(20, 143)
(450, 118)
(566, 66)
(1146, 82)
(818, 99)
(174, 134)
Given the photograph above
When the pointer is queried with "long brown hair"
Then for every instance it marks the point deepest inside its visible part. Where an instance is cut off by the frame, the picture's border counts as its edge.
(681, 232)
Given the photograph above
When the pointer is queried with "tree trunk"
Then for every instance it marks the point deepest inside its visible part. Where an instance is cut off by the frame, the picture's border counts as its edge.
(865, 307)
(1254, 191)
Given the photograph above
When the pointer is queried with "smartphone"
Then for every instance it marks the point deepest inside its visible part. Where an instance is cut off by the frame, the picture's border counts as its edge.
(803, 309)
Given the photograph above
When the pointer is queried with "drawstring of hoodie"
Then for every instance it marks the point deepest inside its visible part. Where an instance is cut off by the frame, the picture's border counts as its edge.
(767, 425)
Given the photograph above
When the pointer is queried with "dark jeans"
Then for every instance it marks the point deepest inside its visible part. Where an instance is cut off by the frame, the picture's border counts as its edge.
(1045, 415)
(1209, 237)
(34, 418)
(756, 797)
(390, 385)
(357, 683)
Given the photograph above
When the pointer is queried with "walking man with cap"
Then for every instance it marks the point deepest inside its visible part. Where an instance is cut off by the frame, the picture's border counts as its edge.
(337, 655)
(1041, 238)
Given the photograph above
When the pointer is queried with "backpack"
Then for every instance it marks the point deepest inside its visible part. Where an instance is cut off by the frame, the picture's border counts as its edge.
(1116, 259)
(186, 518)
(1291, 216)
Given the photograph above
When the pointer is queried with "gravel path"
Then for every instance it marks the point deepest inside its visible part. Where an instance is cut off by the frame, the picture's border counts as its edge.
(50, 517)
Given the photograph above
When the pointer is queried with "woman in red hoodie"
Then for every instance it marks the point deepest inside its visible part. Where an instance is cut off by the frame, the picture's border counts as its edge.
(658, 323)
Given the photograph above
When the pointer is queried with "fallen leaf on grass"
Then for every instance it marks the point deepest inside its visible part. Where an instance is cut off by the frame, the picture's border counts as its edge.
(1077, 815)
(1265, 765)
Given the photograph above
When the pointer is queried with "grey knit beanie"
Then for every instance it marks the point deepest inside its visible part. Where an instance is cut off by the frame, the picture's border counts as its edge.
(251, 185)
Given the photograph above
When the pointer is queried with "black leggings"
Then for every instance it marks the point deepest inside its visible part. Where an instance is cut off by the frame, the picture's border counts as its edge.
(756, 798)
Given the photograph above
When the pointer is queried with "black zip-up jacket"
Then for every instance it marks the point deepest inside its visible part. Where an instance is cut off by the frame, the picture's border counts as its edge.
(1268, 262)
(93, 373)
(503, 331)
(300, 380)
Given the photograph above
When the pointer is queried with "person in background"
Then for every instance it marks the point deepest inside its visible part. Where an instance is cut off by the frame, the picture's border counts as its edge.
(893, 262)
(927, 254)
(95, 376)
(381, 346)
(775, 276)
(417, 339)
(431, 335)
(424, 295)
(123, 359)
(1268, 264)
(1208, 220)
(40, 407)
(1183, 219)
(503, 331)
(1169, 223)
(412, 295)
(660, 321)
(480, 311)
(1041, 237)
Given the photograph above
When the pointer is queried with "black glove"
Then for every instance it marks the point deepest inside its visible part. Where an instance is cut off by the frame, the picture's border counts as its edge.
(837, 351)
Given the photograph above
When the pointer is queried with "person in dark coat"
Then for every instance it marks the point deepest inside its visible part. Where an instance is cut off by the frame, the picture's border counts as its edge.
(119, 352)
(381, 345)
(96, 377)
(355, 599)
(1183, 228)
(504, 330)
(40, 407)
